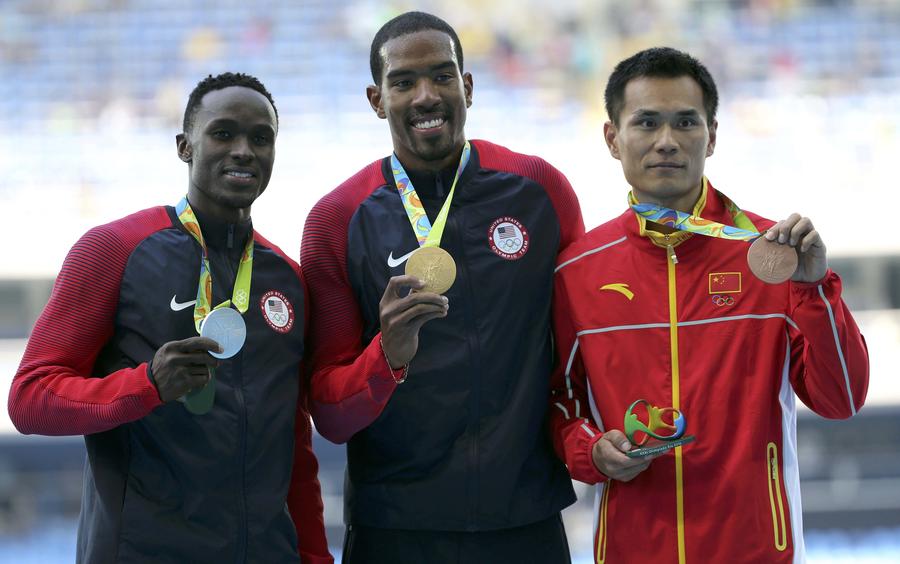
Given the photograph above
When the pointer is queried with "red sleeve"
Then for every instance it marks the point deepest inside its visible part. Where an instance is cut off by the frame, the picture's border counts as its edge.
(830, 362)
(351, 380)
(563, 198)
(53, 392)
(305, 496)
(572, 430)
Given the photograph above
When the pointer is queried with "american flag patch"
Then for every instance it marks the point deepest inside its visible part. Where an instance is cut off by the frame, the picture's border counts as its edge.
(506, 231)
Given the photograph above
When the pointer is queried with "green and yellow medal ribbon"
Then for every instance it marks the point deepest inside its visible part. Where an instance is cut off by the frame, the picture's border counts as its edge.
(743, 229)
(240, 296)
(427, 234)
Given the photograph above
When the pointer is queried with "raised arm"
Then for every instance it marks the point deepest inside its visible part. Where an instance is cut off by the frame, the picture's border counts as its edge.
(829, 359)
(352, 380)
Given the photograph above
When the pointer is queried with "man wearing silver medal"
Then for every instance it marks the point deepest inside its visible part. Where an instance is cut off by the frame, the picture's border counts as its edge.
(441, 398)
(172, 341)
(670, 304)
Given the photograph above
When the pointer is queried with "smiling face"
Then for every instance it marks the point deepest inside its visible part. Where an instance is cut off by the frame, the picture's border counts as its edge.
(230, 150)
(424, 97)
(662, 140)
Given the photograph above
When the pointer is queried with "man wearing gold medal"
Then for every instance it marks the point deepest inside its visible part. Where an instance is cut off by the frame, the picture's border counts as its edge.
(669, 303)
(173, 341)
(430, 274)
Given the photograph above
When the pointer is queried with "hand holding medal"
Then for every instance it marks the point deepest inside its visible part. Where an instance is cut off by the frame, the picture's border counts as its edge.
(803, 241)
(226, 328)
(402, 316)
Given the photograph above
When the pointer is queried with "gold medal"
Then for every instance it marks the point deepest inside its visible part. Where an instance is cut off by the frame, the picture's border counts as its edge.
(434, 266)
(772, 262)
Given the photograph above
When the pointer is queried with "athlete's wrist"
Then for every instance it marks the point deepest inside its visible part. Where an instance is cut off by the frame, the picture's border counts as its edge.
(404, 370)
(152, 378)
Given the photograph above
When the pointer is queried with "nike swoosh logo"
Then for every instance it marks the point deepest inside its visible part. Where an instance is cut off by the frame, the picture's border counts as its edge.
(178, 307)
(395, 262)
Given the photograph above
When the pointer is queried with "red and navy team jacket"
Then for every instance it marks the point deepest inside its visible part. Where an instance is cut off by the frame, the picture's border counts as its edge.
(161, 484)
(461, 445)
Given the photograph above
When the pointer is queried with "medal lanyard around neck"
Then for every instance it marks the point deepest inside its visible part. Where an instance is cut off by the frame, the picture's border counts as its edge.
(240, 296)
(427, 235)
(745, 230)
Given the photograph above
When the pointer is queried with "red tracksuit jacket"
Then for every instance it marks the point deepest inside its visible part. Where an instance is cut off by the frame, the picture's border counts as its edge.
(705, 336)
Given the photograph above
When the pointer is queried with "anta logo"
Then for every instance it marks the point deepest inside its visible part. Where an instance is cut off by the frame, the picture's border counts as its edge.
(621, 288)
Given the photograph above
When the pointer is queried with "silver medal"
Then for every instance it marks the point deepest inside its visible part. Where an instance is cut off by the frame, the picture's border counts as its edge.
(226, 327)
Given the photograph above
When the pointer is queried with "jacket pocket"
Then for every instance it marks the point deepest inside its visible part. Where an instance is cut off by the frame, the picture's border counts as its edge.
(775, 497)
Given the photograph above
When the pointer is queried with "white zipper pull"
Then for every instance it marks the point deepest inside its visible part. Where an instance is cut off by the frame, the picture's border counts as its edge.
(670, 251)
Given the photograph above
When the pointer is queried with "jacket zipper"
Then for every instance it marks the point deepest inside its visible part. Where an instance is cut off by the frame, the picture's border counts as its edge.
(242, 498)
(241, 553)
(670, 252)
(237, 363)
(474, 355)
(671, 261)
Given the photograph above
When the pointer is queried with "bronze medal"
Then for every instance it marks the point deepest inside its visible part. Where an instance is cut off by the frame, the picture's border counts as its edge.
(434, 266)
(772, 262)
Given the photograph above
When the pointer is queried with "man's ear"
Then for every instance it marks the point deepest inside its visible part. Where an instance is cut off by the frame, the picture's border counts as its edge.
(711, 146)
(611, 134)
(373, 93)
(185, 150)
(467, 87)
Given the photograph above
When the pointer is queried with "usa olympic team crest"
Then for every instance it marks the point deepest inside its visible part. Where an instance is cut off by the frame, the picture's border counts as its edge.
(508, 238)
(277, 311)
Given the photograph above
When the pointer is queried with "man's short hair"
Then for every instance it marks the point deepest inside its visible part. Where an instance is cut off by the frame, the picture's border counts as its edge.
(219, 82)
(659, 62)
(404, 24)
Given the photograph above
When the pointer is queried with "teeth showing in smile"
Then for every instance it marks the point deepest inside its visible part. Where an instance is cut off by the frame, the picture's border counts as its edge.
(429, 124)
(237, 174)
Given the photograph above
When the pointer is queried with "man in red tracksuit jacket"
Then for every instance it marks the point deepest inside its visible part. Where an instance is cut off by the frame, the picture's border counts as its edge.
(643, 311)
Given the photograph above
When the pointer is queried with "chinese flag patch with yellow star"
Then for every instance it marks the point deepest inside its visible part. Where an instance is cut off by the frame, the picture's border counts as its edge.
(724, 282)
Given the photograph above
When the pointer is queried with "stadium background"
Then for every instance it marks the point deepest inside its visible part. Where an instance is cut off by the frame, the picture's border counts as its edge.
(93, 92)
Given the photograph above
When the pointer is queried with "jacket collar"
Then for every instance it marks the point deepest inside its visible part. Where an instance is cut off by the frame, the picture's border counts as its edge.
(428, 188)
(218, 234)
(677, 237)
